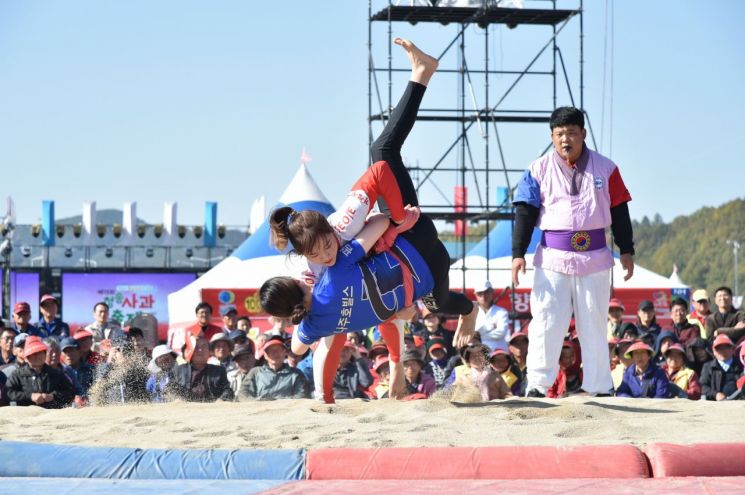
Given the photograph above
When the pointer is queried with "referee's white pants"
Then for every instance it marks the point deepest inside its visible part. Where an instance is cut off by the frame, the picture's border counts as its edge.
(555, 296)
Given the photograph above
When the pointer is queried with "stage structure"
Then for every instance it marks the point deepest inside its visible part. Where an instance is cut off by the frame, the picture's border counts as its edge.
(476, 111)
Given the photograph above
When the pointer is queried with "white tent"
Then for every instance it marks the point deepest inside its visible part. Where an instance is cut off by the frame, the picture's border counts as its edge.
(255, 260)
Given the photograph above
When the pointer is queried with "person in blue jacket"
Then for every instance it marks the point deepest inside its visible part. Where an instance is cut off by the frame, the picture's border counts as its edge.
(643, 379)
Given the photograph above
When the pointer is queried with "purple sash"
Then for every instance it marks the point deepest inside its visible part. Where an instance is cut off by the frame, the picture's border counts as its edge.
(574, 240)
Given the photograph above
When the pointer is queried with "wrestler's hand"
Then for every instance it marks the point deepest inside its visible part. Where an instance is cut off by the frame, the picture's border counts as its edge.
(627, 262)
(412, 216)
(518, 266)
(406, 314)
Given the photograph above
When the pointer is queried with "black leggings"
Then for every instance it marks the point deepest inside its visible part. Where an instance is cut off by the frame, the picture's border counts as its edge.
(423, 236)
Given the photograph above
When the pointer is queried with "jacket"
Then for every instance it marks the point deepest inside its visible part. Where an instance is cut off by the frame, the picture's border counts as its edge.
(57, 328)
(351, 381)
(216, 379)
(560, 388)
(426, 385)
(684, 383)
(263, 382)
(24, 382)
(686, 332)
(724, 323)
(653, 383)
(714, 379)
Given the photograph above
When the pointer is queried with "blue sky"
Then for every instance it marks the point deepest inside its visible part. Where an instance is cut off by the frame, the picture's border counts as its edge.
(192, 101)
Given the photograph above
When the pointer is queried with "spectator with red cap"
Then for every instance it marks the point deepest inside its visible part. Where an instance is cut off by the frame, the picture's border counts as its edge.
(615, 318)
(244, 357)
(726, 320)
(50, 325)
(38, 383)
(417, 381)
(85, 345)
(701, 310)
(643, 379)
(741, 380)
(437, 362)
(683, 380)
(504, 364)
(481, 375)
(569, 379)
(493, 321)
(519, 350)
(353, 375)
(21, 319)
(197, 380)
(6, 345)
(102, 327)
(274, 379)
(683, 329)
(383, 370)
(719, 376)
(623, 362)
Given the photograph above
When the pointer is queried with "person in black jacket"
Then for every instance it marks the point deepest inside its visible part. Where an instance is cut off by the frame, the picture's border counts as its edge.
(197, 381)
(37, 383)
(719, 376)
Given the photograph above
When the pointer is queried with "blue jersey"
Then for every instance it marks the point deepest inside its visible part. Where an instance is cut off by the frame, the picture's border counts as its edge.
(359, 292)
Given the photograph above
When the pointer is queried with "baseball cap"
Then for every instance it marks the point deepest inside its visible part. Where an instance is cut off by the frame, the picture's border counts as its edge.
(82, 334)
(436, 346)
(68, 342)
(237, 334)
(381, 361)
(722, 339)
(675, 347)
(483, 286)
(226, 310)
(243, 350)
(700, 295)
(20, 340)
(275, 340)
(645, 305)
(21, 307)
(34, 345)
(48, 297)
(616, 303)
(378, 350)
(498, 352)
(518, 335)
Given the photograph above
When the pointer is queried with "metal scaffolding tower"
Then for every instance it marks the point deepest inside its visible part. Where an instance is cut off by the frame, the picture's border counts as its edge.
(484, 111)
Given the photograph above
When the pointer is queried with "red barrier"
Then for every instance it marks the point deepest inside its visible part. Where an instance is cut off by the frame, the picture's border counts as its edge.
(704, 459)
(460, 463)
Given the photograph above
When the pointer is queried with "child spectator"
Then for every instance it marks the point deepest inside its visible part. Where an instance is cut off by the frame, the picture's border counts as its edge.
(683, 380)
(504, 364)
(624, 362)
(719, 376)
(433, 328)
(197, 380)
(661, 344)
(698, 354)
(643, 379)
(353, 375)
(244, 357)
(36, 383)
(161, 372)
(480, 375)
(274, 379)
(418, 383)
(519, 350)
(437, 367)
(569, 378)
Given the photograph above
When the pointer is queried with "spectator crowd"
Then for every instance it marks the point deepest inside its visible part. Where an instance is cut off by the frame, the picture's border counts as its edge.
(699, 356)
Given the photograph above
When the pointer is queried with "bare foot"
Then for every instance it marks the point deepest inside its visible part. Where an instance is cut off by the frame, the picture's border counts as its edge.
(397, 387)
(466, 327)
(422, 65)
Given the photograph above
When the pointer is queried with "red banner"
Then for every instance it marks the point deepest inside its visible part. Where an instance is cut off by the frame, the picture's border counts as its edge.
(461, 200)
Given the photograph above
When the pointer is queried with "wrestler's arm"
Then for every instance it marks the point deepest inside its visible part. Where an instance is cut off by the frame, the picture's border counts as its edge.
(298, 347)
(374, 228)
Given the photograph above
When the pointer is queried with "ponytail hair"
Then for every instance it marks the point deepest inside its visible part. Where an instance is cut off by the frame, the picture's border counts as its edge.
(302, 229)
(283, 297)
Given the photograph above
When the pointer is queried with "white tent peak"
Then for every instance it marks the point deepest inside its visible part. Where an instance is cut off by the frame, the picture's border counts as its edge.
(302, 187)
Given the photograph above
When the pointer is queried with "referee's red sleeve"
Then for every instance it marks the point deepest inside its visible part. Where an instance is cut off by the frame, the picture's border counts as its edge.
(618, 192)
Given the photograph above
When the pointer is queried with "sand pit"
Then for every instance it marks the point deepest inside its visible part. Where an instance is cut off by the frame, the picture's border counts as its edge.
(384, 423)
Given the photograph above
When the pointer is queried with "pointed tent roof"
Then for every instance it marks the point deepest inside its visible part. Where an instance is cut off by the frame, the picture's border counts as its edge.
(255, 260)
